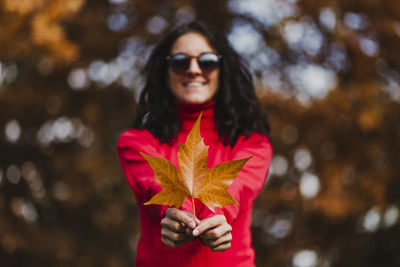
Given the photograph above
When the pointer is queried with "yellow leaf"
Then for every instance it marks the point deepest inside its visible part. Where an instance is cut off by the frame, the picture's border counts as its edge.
(193, 178)
(170, 179)
(213, 191)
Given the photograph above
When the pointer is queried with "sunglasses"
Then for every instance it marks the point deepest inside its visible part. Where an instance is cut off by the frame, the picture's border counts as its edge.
(180, 62)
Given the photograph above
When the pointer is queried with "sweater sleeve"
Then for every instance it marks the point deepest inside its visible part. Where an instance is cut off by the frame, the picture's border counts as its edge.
(251, 178)
(138, 172)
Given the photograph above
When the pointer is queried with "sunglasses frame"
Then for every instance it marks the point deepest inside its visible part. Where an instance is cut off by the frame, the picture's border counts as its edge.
(189, 58)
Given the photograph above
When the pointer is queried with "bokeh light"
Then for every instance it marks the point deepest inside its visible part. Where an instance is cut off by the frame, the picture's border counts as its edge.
(309, 185)
(280, 228)
(369, 46)
(337, 58)
(302, 159)
(78, 79)
(372, 219)
(355, 21)
(13, 174)
(305, 258)
(156, 24)
(13, 131)
(245, 39)
(64, 130)
(32, 177)
(45, 66)
(116, 2)
(8, 73)
(327, 18)
(118, 21)
(24, 209)
(61, 191)
(289, 134)
(184, 15)
(391, 216)
(313, 81)
(267, 12)
(279, 165)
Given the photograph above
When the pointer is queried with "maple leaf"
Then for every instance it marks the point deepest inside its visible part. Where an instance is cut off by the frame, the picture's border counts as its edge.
(193, 178)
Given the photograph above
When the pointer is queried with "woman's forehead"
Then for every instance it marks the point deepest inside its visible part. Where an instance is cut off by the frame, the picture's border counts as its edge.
(192, 43)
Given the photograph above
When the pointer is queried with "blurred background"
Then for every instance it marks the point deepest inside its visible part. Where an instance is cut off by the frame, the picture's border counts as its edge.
(327, 73)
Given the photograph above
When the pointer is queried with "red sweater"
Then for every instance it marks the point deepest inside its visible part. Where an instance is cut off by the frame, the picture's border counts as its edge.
(250, 180)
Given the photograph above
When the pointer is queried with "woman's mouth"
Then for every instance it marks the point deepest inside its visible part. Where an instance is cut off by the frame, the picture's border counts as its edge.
(193, 84)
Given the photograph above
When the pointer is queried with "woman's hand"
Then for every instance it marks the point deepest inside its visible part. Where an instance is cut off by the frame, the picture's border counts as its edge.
(177, 228)
(215, 233)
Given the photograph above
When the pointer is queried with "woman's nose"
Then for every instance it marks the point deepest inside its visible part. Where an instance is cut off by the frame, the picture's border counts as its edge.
(194, 67)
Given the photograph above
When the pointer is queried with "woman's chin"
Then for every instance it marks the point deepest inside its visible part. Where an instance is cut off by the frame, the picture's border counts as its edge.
(194, 101)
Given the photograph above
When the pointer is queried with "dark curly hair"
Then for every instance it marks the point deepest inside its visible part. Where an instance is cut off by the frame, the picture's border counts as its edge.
(237, 110)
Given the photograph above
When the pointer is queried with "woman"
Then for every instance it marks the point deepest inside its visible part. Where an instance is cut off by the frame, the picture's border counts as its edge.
(195, 70)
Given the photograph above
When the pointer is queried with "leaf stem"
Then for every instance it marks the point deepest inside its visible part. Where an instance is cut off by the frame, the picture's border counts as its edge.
(194, 208)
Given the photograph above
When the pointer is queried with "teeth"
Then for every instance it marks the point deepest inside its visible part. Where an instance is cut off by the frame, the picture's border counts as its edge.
(194, 84)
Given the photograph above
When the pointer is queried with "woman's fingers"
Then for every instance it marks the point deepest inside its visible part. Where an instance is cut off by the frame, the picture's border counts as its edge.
(173, 239)
(168, 242)
(217, 223)
(173, 233)
(219, 244)
(173, 225)
(180, 216)
(179, 227)
(173, 236)
(222, 247)
(176, 227)
(215, 243)
(215, 233)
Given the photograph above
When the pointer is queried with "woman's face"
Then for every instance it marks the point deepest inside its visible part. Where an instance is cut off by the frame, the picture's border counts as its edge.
(193, 86)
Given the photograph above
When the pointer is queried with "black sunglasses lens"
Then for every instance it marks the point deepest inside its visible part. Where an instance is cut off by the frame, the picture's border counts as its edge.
(208, 62)
(179, 63)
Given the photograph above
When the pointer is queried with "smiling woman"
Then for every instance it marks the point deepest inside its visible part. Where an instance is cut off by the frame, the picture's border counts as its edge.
(194, 70)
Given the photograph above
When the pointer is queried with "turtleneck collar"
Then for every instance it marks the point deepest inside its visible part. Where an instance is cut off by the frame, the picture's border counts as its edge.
(188, 114)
